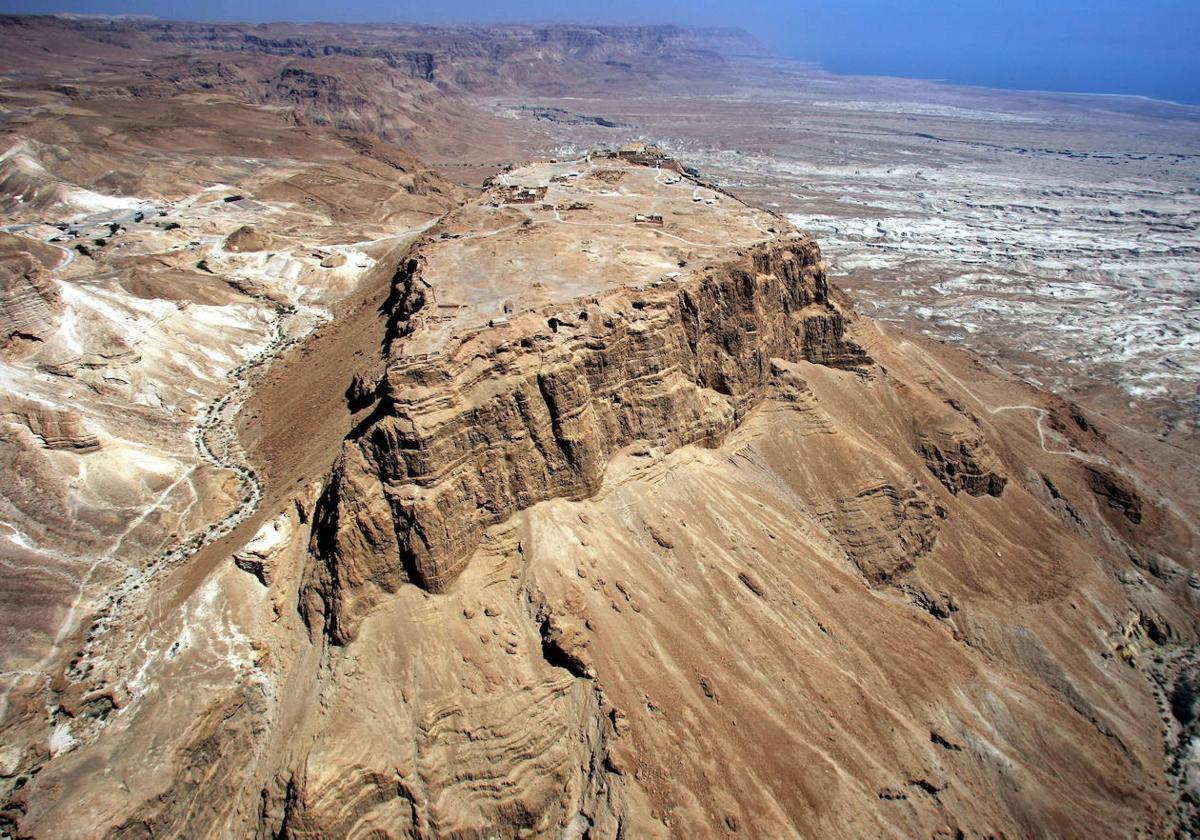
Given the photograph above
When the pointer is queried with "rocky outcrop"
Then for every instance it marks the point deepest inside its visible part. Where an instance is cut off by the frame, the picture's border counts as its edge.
(248, 238)
(531, 412)
(1116, 492)
(30, 303)
(53, 428)
(884, 530)
(360, 393)
(962, 462)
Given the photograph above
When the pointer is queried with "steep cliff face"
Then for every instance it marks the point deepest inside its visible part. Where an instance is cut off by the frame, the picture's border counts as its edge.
(464, 56)
(466, 439)
(670, 559)
(654, 554)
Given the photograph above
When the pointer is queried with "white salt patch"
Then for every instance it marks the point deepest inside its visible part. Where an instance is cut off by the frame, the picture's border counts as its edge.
(61, 739)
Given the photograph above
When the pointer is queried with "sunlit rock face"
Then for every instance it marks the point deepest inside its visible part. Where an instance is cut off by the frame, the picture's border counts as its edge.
(1056, 234)
(581, 502)
(137, 305)
(679, 363)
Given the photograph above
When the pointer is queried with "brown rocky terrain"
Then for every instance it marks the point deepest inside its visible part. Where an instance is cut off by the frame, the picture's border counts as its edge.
(1056, 235)
(584, 506)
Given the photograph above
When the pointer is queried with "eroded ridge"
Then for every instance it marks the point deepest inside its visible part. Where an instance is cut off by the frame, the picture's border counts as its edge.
(514, 416)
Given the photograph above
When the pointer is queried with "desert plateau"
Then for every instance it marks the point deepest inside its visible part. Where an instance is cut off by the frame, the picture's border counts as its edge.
(587, 432)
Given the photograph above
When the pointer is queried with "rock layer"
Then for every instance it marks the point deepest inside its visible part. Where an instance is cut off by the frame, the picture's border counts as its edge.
(963, 463)
(30, 304)
(51, 427)
(459, 445)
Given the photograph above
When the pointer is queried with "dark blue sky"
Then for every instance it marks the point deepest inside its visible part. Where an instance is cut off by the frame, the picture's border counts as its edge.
(1147, 47)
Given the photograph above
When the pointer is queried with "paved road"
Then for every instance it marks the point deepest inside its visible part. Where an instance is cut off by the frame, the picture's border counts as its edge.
(105, 219)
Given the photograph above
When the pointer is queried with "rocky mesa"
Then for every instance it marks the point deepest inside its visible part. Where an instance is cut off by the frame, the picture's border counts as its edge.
(351, 503)
(535, 410)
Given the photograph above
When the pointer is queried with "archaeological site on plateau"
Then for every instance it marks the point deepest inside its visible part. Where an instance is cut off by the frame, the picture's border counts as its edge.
(587, 432)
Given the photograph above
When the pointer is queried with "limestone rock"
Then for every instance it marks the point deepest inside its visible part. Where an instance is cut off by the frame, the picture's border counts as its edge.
(53, 428)
(413, 493)
(884, 530)
(30, 303)
(962, 462)
(247, 238)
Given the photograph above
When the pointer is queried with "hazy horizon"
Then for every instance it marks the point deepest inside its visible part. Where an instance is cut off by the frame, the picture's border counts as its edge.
(1071, 46)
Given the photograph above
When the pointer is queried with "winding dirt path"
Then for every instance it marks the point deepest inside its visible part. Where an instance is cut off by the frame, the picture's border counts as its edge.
(1084, 457)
